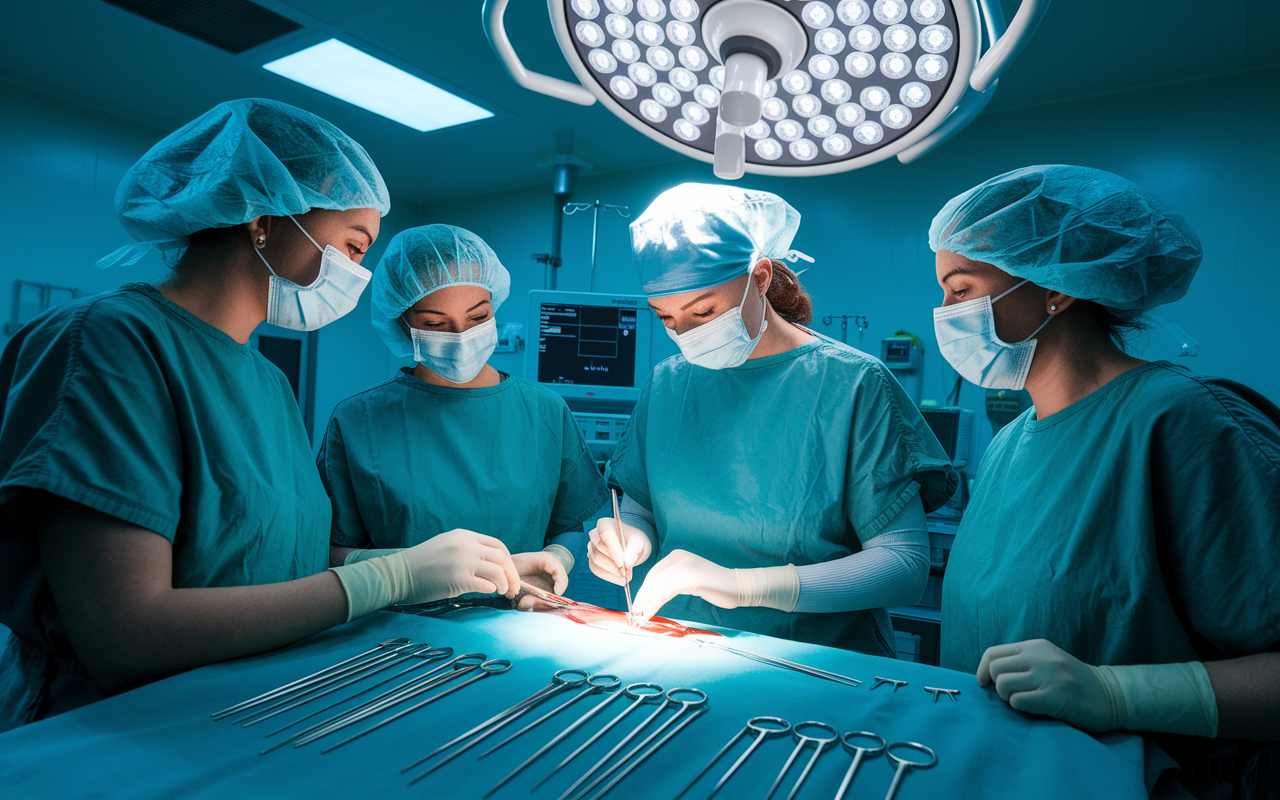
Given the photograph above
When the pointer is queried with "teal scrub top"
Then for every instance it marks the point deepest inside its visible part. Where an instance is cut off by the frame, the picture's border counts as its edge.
(795, 458)
(406, 460)
(128, 404)
(1140, 525)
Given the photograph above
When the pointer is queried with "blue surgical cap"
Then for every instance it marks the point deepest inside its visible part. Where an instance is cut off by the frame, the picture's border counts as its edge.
(1080, 231)
(240, 160)
(700, 235)
(421, 260)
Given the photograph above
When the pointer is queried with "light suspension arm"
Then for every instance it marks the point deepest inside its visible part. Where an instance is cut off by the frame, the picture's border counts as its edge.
(542, 84)
(1007, 47)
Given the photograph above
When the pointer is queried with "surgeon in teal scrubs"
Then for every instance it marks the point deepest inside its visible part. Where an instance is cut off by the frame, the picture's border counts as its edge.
(451, 442)
(783, 477)
(1118, 565)
(159, 509)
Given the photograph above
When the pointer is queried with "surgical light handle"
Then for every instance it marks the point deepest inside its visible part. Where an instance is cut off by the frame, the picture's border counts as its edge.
(1005, 48)
(542, 84)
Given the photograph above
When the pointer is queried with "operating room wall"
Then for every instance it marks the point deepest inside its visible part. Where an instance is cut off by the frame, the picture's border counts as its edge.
(867, 229)
(61, 163)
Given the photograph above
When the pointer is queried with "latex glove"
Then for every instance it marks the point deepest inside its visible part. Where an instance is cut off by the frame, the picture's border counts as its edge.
(1038, 677)
(681, 572)
(543, 570)
(446, 565)
(609, 560)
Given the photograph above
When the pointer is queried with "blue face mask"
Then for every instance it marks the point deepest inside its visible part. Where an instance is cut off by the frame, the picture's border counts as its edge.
(333, 293)
(722, 343)
(967, 340)
(456, 357)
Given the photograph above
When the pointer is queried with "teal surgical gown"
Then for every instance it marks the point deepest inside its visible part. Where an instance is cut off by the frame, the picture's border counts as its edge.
(408, 460)
(795, 458)
(1140, 525)
(128, 404)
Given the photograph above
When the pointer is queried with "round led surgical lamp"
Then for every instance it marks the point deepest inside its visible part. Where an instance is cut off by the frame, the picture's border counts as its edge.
(781, 87)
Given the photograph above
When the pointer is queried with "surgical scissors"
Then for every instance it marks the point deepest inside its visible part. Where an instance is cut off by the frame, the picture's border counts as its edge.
(461, 665)
(857, 753)
(595, 685)
(803, 741)
(297, 685)
(672, 698)
(495, 666)
(759, 728)
(904, 765)
(562, 680)
(638, 698)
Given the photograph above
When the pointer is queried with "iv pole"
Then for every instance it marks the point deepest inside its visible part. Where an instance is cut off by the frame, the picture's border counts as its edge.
(858, 320)
(572, 208)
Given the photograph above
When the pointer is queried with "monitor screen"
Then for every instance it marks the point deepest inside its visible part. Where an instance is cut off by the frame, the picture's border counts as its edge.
(589, 347)
(584, 344)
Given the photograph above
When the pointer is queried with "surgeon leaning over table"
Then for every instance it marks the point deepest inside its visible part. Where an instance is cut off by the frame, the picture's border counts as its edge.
(159, 507)
(784, 477)
(451, 442)
(1118, 565)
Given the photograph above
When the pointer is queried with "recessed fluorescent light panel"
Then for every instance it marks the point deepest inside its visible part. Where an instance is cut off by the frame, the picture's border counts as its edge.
(340, 70)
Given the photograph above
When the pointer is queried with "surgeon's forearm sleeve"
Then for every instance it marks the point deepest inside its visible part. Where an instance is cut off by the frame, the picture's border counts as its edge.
(637, 516)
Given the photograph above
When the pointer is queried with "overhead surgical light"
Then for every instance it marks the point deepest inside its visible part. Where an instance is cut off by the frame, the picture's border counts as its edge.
(781, 87)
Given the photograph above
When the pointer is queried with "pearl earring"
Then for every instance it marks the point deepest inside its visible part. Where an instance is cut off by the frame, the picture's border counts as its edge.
(261, 241)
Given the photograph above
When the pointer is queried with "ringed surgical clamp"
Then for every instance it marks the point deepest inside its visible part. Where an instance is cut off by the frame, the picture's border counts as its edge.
(595, 685)
(461, 665)
(638, 697)
(301, 683)
(428, 655)
(761, 728)
(882, 681)
(579, 722)
(948, 692)
(697, 712)
(904, 765)
(857, 753)
(495, 666)
(562, 680)
(803, 741)
(672, 698)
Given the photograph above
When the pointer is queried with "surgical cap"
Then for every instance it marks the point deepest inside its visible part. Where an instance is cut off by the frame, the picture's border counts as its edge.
(699, 235)
(419, 261)
(1080, 231)
(240, 160)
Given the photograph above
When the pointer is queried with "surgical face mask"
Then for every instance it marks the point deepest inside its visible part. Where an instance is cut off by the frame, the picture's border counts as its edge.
(722, 343)
(967, 339)
(333, 293)
(456, 357)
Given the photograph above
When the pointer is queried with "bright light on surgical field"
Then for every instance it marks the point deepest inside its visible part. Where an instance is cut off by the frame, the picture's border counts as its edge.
(813, 86)
(340, 70)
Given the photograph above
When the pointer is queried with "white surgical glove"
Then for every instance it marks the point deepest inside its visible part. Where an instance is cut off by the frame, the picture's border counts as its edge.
(543, 570)
(609, 560)
(446, 565)
(682, 572)
(1038, 677)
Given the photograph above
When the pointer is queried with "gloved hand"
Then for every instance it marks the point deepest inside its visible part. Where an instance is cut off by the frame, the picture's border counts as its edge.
(543, 570)
(1038, 677)
(682, 572)
(609, 560)
(446, 565)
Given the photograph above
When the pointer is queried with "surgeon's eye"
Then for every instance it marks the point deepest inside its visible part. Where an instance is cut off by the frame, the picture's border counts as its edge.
(480, 318)
(704, 314)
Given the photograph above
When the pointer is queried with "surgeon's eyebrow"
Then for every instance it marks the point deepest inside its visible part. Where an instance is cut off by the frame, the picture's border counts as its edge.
(957, 271)
(363, 230)
(441, 313)
(697, 299)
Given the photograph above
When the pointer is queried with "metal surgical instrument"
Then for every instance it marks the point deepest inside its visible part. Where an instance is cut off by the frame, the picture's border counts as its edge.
(303, 682)
(782, 663)
(857, 753)
(595, 685)
(803, 741)
(761, 728)
(561, 681)
(622, 542)
(882, 681)
(495, 666)
(904, 765)
(672, 698)
(653, 749)
(937, 692)
(653, 694)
